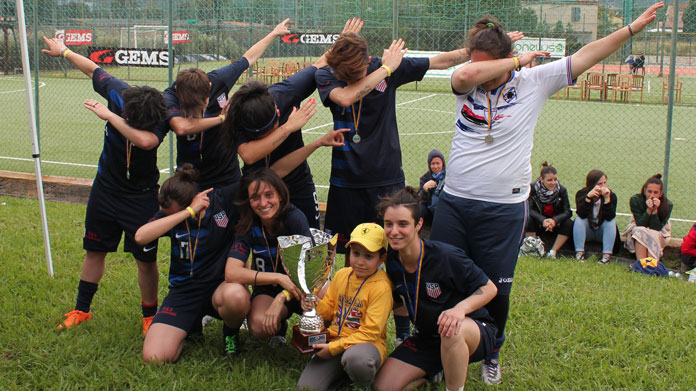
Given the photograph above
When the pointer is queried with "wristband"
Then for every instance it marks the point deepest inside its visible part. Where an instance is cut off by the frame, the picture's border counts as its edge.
(222, 117)
(386, 68)
(193, 212)
(517, 63)
(630, 30)
(64, 52)
(287, 295)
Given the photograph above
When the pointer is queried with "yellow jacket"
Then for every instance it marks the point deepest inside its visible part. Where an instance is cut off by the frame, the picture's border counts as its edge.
(367, 320)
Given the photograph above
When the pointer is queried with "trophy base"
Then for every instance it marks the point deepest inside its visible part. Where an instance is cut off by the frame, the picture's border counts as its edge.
(303, 342)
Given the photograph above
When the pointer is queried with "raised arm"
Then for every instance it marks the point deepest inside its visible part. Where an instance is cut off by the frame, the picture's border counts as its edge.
(56, 49)
(476, 73)
(142, 139)
(290, 161)
(155, 229)
(255, 52)
(346, 96)
(460, 56)
(354, 26)
(183, 126)
(253, 151)
(596, 51)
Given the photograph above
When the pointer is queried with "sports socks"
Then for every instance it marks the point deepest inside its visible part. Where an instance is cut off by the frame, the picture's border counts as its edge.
(402, 325)
(149, 309)
(85, 294)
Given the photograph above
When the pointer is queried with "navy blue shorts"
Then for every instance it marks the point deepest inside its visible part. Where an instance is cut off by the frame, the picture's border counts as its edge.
(185, 306)
(490, 232)
(304, 197)
(293, 306)
(346, 208)
(109, 215)
(424, 351)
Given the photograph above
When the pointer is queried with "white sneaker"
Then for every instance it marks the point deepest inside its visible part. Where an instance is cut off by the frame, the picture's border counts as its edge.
(580, 256)
(490, 372)
(605, 259)
(277, 341)
(551, 254)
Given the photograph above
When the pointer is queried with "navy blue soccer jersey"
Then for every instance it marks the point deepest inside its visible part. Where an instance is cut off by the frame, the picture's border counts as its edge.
(376, 160)
(205, 150)
(123, 167)
(264, 247)
(288, 94)
(447, 276)
(199, 250)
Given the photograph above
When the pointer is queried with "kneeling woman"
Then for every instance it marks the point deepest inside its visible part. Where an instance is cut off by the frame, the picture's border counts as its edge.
(200, 226)
(265, 212)
(444, 293)
(549, 208)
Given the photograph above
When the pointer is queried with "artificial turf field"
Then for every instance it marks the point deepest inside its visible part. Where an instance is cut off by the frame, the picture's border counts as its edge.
(626, 141)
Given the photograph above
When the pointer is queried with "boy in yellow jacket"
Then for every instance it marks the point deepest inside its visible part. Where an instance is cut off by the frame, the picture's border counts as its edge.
(357, 304)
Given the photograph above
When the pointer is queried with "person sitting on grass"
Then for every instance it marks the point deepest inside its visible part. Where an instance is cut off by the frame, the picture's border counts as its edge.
(549, 209)
(596, 210)
(431, 184)
(649, 230)
(688, 250)
(265, 213)
(357, 305)
(124, 193)
(195, 104)
(444, 293)
(200, 226)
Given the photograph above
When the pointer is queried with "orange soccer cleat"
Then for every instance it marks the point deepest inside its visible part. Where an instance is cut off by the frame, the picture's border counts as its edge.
(147, 322)
(73, 318)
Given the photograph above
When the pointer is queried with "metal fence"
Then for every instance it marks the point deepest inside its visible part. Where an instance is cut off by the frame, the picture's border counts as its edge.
(628, 140)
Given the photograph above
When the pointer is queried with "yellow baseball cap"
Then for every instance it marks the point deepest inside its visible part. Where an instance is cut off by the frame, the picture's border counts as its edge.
(369, 235)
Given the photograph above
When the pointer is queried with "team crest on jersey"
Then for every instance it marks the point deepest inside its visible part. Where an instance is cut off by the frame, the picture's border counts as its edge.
(510, 95)
(381, 86)
(221, 219)
(433, 289)
(222, 101)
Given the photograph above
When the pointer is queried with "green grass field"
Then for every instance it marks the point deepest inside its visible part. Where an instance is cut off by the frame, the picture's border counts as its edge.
(572, 326)
(627, 141)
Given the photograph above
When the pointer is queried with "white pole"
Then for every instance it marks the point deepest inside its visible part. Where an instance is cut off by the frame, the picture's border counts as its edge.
(26, 70)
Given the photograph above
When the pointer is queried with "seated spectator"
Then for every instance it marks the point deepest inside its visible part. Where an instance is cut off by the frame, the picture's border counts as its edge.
(638, 63)
(688, 250)
(631, 62)
(596, 210)
(649, 230)
(549, 209)
(431, 183)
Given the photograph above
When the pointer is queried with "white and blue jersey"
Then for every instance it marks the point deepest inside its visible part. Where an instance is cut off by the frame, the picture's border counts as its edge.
(123, 167)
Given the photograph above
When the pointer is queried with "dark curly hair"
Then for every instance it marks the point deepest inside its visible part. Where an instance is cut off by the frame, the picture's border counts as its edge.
(407, 197)
(143, 107)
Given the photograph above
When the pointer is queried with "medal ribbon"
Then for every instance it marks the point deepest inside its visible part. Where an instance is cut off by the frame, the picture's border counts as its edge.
(414, 310)
(342, 319)
(356, 122)
(490, 109)
(192, 251)
(275, 265)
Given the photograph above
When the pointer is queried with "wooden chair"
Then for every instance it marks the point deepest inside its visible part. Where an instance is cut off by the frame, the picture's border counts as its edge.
(306, 64)
(579, 85)
(289, 69)
(595, 81)
(677, 88)
(610, 84)
(637, 82)
(622, 86)
(270, 72)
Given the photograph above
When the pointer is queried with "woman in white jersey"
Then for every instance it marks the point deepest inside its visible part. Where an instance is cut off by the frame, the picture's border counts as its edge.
(482, 208)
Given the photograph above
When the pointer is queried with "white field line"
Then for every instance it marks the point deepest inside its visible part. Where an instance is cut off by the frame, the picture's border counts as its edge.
(309, 131)
(41, 84)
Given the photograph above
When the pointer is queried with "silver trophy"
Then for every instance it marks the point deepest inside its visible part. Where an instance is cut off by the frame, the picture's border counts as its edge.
(308, 262)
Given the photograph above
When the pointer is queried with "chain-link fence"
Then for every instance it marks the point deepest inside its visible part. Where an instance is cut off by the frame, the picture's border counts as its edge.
(625, 134)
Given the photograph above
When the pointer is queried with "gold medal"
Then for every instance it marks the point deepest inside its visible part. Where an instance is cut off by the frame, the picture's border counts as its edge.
(489, 139)
(356, 139)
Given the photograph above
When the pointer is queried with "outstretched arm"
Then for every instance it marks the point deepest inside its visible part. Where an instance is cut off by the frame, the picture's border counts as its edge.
(476, 73)
(460, 56)
(142, 139)
(155, 229)
(346, 96)
(290, 161)
(55, 49)
(183, 126)
(253, 151)
(596, 51)
(255, 52)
